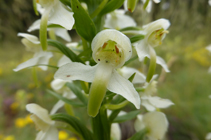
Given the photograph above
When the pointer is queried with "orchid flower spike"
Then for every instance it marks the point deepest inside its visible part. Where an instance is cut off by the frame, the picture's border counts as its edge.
(40, 57)
(53, 13)
(110, 49)
(43, 122)
(155, 122)
(155, 33)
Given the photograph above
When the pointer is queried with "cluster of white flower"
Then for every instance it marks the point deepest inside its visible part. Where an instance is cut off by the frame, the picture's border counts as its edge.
(105, 69)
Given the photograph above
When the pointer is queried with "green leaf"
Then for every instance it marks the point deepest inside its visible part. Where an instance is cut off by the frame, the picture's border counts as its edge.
(75, 123)
(66, 2)
(130, 28)
(127, 116)
(66, 51)
(136, 38)
(77, 92)
(139, 135)
(84, 25)
(146, 4)
(111, 6)
(68, 101)
(132, 59)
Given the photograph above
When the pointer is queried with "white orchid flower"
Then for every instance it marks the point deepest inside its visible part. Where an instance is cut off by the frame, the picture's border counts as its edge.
(118, 20)
(155, 33)
(209, 2)
(43, 122)
(115, 131)
(209, 49)
(208, 136)
(40, 57)
(110, 49)
(53, 13)
(59, 86)
(151, 103)
(155, 122)
(149, 6)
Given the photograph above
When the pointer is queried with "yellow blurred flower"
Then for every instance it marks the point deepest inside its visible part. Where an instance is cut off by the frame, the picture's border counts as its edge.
(28, 119)
(63, 135)
(20, 122)
(201, 56)
(49, 77)
(1, 71)
(31, 85)
(10, 137)
(14, 105)
(72, 138)
(30, 96)
(1, 136)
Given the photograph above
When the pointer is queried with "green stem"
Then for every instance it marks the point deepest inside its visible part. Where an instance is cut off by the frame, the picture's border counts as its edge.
(116, 106)
(152, 65)
(43, 29)
(146, 4)
(99, 8)
(35, 7)
(34, 75)
(51, 34)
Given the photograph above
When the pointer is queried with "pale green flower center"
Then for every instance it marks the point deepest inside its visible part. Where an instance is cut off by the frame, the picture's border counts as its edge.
(110, 53)
(156, 37)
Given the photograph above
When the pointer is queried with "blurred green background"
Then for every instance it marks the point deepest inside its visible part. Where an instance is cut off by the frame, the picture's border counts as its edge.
(188, 85)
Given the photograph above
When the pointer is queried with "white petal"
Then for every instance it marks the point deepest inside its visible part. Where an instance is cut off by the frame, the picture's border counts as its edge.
(157, 1)
(30, 46)
(149, 6)
(63, 60)
(127, 72)
(39, 112)
(125, 88)
(159, 102)
(31, 38)
(40, 9)
(117, 20)
(35, 25)
(76, 71)
(209, 48)
(57, 84)
(43, 59)
(155, 25)
(209, 2)
(115, 131)
(139, 124)
(147, 105)
(125, 5)
(209, 70)
(59, 15)
(208, 136)
(62, 33)
(157, 123)
(56, 107)
(40, 59)
(51, 134)
(142, 49)
(161, 62)
(114, 35)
